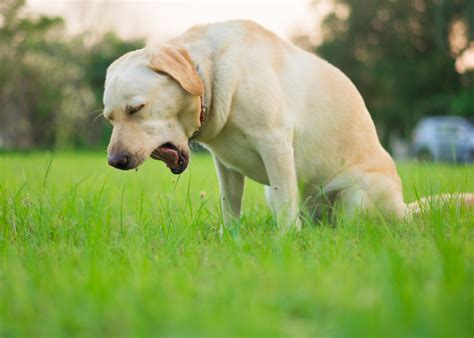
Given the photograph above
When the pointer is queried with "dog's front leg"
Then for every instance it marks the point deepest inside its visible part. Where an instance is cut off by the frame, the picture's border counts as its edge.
(278, 159)
(231, 184)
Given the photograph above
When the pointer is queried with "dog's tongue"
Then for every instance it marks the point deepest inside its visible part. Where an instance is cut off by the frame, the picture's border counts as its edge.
(169, 156)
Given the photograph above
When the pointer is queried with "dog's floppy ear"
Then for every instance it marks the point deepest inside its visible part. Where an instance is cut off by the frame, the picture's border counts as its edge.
(177, 63)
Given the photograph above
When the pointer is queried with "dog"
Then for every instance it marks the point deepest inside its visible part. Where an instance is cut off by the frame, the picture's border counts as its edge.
(266, 110)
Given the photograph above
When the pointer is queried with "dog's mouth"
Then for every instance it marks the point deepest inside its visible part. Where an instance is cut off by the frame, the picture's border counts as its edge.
(176, 159)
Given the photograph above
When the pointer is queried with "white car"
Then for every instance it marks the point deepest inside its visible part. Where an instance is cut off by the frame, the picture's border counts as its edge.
(444, 138)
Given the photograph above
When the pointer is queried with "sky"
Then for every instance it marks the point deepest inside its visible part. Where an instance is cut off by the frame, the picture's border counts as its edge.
(159, 20)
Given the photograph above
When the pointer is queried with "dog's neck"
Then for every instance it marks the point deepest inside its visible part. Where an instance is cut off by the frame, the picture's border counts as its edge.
(212, 121)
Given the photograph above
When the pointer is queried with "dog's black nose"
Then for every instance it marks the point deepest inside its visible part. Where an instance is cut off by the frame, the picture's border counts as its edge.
(119, 161)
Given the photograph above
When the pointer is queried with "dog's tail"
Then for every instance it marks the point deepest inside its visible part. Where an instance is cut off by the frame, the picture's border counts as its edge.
(427, 203)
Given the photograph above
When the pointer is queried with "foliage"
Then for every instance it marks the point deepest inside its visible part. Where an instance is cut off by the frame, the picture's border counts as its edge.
(89, 251)
(51, 82)
(401, 55)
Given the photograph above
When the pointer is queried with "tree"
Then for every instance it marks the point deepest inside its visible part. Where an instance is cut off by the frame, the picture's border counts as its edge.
(50, 82)
(42, 89)
(401, 55)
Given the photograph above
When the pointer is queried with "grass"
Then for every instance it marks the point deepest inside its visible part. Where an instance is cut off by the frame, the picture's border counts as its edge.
(89, 251)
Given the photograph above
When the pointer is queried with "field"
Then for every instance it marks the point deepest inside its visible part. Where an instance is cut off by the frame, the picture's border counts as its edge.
(86, 250)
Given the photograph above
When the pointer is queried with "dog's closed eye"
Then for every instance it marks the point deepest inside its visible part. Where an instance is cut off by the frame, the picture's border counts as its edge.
(132, 110)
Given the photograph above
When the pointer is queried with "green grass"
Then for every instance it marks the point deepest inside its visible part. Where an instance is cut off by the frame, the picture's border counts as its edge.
(86, 250)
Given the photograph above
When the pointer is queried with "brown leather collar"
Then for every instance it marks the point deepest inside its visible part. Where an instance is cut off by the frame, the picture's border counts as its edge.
(202, 117)
(203, 114)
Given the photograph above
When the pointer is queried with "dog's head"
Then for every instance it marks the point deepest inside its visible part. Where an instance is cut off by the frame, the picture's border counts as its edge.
(152, 100)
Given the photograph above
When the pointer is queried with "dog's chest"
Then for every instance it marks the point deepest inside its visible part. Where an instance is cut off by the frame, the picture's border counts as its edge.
(237, 152)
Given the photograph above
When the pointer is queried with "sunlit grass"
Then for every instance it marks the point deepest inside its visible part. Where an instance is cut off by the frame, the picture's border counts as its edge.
(86, 250)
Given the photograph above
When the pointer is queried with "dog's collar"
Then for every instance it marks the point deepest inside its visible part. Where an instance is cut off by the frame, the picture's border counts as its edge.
(203, 114)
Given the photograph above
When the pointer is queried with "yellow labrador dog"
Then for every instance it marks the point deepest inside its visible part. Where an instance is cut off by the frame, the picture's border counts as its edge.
(265, 109)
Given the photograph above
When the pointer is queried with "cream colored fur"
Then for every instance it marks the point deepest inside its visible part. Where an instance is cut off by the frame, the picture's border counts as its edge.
(277, 114)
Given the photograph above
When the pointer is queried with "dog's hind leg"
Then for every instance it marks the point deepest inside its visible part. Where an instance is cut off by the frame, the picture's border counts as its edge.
(317, 204)
(368, 193)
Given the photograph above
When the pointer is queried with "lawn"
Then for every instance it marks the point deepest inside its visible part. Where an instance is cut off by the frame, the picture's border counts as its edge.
(86, 250)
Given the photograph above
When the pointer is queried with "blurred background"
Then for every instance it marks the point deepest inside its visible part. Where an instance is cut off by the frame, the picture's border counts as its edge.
(412, 60)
